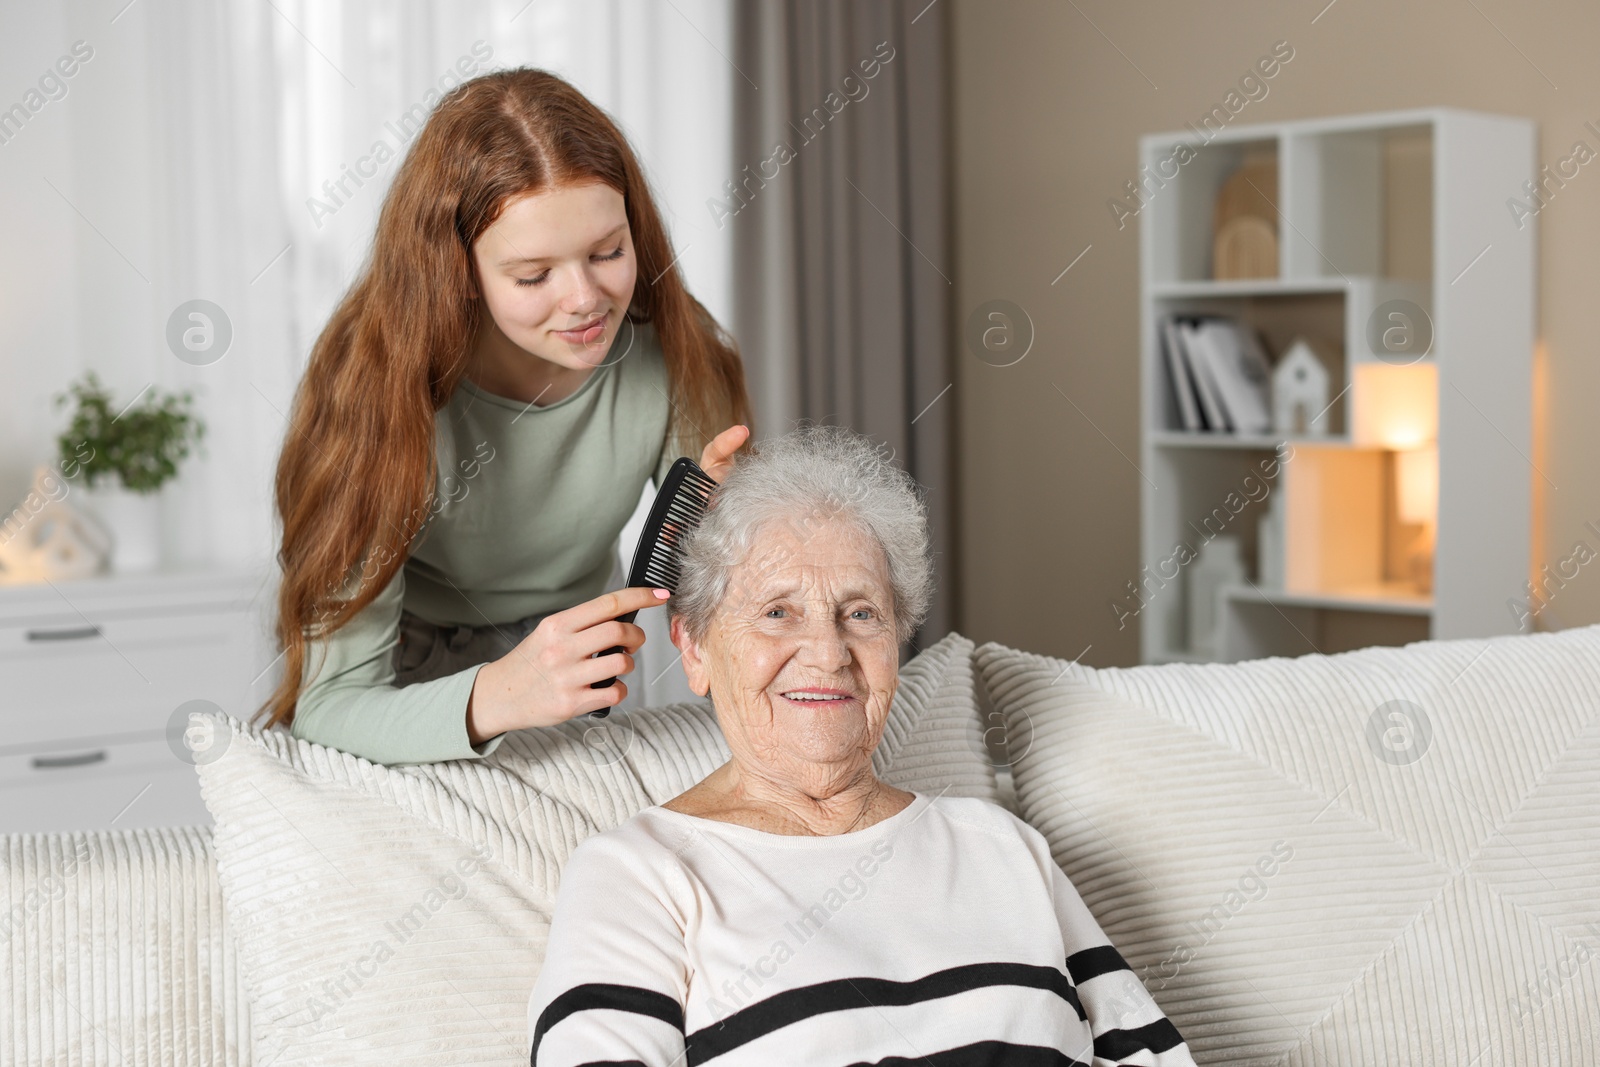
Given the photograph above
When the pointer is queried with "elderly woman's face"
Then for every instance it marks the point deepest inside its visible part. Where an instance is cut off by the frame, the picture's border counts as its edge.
(801, 657)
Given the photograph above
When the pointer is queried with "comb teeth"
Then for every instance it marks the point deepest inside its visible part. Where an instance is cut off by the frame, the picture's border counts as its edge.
(678, 508)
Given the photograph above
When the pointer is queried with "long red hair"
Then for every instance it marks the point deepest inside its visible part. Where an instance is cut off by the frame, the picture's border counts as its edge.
(356, 476)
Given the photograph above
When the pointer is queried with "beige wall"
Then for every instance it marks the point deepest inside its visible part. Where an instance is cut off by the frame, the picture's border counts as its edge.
(1047, 115)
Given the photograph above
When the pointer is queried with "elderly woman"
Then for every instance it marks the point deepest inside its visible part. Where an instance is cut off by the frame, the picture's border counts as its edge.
(793, 908)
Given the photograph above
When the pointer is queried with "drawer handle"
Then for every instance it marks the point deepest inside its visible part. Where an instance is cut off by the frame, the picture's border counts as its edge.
(77, 759)
(76, 634)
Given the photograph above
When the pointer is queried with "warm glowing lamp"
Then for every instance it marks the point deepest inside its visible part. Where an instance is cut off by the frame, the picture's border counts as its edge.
(1396, 407)
(1418, 482)
(1417, 490)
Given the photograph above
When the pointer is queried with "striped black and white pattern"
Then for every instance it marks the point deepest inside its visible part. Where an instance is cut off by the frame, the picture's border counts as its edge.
(320, 853)
(944, 934)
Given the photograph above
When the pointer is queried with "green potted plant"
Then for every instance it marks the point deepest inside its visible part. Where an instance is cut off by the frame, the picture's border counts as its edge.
(124, 455)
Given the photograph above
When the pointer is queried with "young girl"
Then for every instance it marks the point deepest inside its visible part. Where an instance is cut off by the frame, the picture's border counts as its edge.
(475, 426)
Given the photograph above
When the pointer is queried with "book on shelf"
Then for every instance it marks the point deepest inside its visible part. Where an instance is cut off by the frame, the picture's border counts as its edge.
(1240, 372)
(1219, 373)
(1200, 370)
(1178, 375)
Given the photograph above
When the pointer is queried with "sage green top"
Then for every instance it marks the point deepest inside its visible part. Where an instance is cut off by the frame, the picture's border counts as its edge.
(530, 503)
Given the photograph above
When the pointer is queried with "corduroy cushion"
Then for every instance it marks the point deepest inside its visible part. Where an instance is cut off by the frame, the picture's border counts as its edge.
(1385, 856)
(115, 948)
(399, 914)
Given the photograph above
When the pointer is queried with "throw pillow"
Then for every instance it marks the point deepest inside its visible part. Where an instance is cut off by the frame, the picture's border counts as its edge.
(1382, 856)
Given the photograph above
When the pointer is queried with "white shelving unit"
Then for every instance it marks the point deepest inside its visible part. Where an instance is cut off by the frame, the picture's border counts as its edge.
(1407, 206)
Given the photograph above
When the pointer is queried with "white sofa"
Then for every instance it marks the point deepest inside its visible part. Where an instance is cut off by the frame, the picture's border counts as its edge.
(1385, 856)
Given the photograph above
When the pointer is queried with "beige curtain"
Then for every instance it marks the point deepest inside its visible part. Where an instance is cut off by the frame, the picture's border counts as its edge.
(838, 210)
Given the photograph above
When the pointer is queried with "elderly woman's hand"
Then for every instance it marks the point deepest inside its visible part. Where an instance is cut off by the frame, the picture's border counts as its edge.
(717, 459)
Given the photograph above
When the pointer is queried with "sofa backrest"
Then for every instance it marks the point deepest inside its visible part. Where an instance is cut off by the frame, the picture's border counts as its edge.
(115, 948)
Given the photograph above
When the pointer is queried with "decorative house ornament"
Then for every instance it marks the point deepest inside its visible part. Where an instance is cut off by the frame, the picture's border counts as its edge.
(1300, 393)
(1245, 223)
(47, 539)
(1351, 387)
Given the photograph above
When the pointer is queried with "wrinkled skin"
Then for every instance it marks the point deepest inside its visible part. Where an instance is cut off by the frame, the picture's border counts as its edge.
(810, 609)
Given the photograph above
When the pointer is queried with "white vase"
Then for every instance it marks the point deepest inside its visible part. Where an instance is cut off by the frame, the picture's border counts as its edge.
(1269, 545)
(134, 520)
(1219, 564)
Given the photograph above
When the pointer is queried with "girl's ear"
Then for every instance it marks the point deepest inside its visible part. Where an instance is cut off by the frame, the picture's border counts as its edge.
(694, 667)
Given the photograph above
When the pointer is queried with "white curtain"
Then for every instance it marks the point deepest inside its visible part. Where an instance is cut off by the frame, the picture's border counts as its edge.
(204, 155)
(844, 245)
(351, 71)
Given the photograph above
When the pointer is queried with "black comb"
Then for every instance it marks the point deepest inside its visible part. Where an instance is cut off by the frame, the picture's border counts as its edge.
(678, 508)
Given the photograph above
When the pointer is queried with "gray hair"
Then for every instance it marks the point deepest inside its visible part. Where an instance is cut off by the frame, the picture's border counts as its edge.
(811, 475)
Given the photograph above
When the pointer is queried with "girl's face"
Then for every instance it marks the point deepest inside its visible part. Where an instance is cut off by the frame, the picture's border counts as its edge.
(557, 270)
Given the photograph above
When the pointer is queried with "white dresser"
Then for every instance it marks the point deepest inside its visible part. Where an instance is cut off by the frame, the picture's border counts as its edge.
(92, 675)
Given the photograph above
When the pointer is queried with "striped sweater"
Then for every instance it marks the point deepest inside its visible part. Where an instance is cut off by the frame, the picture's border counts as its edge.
(944, 934)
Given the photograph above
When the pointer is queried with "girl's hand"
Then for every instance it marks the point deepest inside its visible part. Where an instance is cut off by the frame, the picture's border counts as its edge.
(545, 679)
(717, 459)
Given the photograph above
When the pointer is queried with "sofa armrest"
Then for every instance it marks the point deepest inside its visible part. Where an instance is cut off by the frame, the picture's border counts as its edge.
(114, 948)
